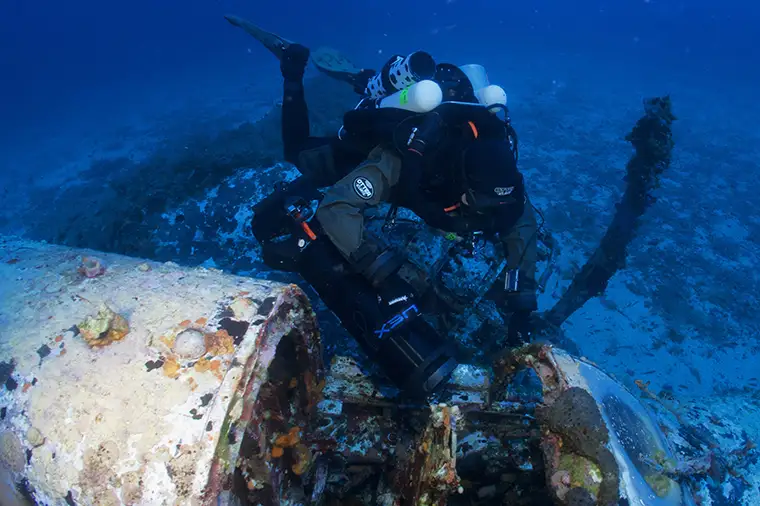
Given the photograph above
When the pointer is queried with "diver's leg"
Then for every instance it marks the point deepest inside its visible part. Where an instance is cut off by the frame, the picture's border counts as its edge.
(318, 158)
(295, 113)
(341, 215)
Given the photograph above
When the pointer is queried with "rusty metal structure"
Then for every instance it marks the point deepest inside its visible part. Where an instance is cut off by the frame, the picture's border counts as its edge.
(129, 382)
(138, 383)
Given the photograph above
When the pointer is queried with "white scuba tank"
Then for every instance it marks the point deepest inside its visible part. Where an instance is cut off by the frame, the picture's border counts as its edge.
(476, 74)
(491, 94)
(423, 96)
(487, 94)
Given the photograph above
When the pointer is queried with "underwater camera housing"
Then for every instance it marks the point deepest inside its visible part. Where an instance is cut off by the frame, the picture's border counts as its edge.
(408, 350)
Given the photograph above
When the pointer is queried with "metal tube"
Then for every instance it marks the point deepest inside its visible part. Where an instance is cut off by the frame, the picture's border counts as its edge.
(130, 382)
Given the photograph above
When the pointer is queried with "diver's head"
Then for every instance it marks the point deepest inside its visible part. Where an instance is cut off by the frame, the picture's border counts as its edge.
(490, 174)
(454, 84)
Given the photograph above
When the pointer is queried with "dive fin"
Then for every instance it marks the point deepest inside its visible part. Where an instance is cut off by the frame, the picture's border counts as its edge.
(273, 42)
(329, 61)
(332, 63)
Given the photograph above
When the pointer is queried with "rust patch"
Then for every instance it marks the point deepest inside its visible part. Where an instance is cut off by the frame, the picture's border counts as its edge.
(202, 365)
(290, 439)
(185, 323)
(132, 487)
(216, 369)
(171, 368)
(219, 343)
(182, 471)
(431, 472)
(201, 321)
(168, 341)
(98, 473)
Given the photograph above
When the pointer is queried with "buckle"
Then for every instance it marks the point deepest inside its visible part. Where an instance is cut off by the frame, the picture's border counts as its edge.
(512, 280)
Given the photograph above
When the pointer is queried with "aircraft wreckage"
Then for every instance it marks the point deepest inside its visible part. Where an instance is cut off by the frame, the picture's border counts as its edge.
(145, 383)
(133, 382)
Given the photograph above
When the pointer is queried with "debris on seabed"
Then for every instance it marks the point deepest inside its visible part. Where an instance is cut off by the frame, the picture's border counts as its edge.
(91, 267)
(104, 328)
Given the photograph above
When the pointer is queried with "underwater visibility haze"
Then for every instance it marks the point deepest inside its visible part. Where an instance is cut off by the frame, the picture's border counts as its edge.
(157, 346)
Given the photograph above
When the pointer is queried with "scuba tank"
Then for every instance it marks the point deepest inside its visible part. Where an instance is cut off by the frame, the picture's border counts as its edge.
(420, 97)
(399, 73)
(462, 95)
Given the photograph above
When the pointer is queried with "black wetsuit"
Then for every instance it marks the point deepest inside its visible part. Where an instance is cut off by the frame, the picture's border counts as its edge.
(325, 160)
(433, 191)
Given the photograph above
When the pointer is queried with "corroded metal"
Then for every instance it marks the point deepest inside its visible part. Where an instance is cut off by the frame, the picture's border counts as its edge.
(127, 382)
(431, 476)
(143, 383)
(598, 441)
(384, 450)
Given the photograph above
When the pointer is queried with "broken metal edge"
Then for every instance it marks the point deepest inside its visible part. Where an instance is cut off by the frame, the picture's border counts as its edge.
(605, 390)
(292, 314)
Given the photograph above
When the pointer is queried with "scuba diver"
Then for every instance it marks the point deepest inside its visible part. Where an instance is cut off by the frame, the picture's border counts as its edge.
(421, 138)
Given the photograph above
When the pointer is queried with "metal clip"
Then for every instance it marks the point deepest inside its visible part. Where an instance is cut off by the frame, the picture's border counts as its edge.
(298, 209)
(390, 219)
(512, 280)
(411, 136)
(476, 240)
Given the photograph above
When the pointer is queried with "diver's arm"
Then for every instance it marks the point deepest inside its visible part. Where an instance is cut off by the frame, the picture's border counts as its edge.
(341, 212)
(435, 217)
(505, 219)
(517, 233)
(407, 192)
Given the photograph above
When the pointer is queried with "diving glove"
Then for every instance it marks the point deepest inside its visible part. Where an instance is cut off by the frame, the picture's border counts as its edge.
(295, 57)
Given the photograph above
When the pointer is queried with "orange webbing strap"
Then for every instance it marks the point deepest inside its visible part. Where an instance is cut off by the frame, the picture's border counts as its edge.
(474, 128)
(306, 228)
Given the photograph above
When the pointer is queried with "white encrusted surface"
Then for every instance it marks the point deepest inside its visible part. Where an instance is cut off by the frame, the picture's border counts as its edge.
(100, 425)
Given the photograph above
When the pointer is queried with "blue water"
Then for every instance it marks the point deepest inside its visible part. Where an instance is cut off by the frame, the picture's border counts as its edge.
(91, 90)
(58, 57)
